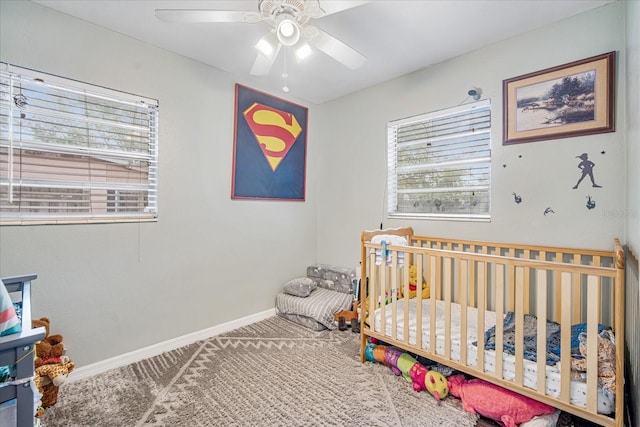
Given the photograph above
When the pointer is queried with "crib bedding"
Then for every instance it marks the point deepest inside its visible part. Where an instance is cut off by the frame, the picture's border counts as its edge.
(578, 389)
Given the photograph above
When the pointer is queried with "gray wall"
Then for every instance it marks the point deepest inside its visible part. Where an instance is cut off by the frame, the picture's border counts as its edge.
(542, 173)
(633, 204)
(210, 260)
(111, 289)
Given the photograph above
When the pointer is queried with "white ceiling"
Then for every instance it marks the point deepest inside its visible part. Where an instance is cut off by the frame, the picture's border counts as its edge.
(397, 37)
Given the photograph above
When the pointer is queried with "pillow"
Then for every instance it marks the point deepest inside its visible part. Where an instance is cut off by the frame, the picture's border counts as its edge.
(300, 287)
(9, 321)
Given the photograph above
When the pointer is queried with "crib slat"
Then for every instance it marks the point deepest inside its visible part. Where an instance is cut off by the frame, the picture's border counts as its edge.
(405, 295)
(556, 301)
(393, 295)
(541, 313)
(512, 280)
(438, 282)
(447, 306)
(565, 337)
(526, 285)
(420, 270)
(593, 302)
(372, 290)
(499, 320)
(464, 285)
(519, 353)
(577, 292)
(482, 306)
(597, 263)
(381, 297)
(436, 261)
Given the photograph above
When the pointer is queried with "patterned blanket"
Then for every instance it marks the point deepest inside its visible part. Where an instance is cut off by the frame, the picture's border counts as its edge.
(530, 332)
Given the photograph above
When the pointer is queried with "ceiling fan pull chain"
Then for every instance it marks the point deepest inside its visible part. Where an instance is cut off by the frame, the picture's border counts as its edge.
(285, 76)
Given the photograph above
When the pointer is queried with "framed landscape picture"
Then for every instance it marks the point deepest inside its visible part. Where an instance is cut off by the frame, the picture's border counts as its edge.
(269, 148)
(560, 102)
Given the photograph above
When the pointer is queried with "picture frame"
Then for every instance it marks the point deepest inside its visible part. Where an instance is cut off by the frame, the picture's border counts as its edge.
(565, 101)
(269, 147)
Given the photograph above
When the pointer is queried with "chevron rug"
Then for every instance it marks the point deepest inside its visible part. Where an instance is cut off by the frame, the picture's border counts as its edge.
(270, 373)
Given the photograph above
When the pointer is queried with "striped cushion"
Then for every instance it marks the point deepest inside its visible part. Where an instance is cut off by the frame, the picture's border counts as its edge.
(321, 305)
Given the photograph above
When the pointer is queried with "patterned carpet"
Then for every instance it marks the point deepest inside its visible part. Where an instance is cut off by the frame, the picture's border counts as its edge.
(271, 373)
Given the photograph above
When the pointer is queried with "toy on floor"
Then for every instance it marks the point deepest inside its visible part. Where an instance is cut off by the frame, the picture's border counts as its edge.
(377, 351)
(432, 382)
(495, 402)
(391, 356)
(402, 363)
(49, 378)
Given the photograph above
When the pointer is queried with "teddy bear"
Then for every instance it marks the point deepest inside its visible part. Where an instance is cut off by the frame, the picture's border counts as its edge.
(49, 377)
(606, 363)
(50, 349)
(413, 284)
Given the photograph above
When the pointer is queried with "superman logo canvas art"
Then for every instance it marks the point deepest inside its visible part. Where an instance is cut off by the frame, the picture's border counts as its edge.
(269, 147)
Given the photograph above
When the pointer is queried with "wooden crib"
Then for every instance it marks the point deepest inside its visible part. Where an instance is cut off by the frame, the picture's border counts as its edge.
(473, 285)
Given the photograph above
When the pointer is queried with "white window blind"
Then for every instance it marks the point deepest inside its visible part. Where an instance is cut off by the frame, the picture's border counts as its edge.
(74, 152)
(439, 164)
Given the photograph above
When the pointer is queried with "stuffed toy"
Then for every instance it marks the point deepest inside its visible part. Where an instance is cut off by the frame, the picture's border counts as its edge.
(368, 352)
(50, 347)
(48, 378)
(432, 382)
(54, 374)
(379, 354)
(391, 356)
(606, 368)
(495, 402)
(437, 385)
(404, 364)
(413, 284)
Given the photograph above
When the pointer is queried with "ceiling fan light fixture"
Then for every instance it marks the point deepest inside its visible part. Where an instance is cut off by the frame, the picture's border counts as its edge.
(288, 32)
(303, 52)
(267, 45)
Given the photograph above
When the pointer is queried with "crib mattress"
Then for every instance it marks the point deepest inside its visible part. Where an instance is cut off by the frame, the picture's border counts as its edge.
(578, 394)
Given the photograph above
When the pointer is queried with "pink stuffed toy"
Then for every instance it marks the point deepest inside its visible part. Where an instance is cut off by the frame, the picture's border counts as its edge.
(431, 381)
(497, 403)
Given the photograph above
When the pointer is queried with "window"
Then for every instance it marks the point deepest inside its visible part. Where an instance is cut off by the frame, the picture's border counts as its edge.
(439, 164)
(74, 152)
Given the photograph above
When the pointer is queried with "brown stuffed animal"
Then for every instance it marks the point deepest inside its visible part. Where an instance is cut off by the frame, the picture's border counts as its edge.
(49, 378)
(50, 348)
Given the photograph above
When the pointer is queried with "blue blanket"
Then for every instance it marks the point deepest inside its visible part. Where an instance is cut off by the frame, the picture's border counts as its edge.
(530, 332)
(530, 338)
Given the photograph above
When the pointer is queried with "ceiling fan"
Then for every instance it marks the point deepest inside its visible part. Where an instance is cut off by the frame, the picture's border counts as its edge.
(288, 19)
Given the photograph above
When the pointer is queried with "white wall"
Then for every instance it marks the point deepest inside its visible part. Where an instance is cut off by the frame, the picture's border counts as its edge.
(351, 166)
(111, 289)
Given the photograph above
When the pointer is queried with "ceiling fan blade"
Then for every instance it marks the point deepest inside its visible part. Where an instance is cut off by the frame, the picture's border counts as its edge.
(262, 64)
(336, 49)
(201, 16)
(320, 8)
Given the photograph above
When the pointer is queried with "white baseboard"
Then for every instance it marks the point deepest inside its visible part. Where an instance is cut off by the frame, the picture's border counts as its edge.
(156, 349)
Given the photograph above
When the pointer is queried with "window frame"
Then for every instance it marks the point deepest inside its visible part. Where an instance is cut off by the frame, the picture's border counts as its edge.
(60, 175)
(392, 196)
